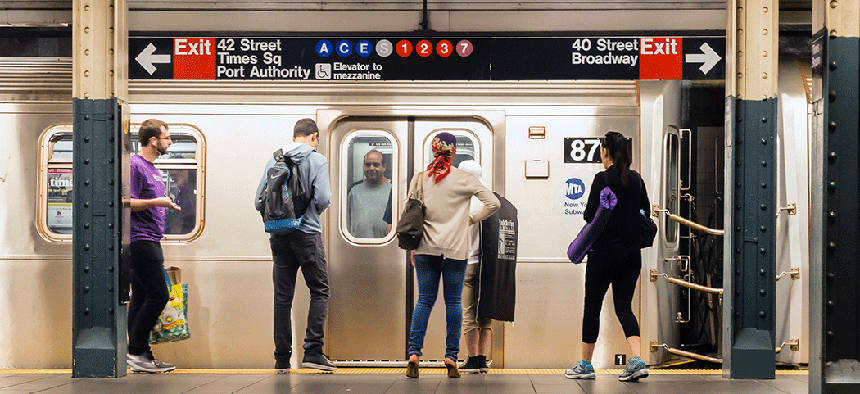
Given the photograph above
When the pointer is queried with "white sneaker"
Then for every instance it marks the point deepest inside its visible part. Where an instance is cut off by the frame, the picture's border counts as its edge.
(143, 363)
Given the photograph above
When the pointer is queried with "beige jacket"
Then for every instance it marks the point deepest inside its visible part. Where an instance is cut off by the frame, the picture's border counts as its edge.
(446, 216)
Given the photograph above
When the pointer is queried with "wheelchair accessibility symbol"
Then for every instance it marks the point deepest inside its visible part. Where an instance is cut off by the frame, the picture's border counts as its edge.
(323, 71)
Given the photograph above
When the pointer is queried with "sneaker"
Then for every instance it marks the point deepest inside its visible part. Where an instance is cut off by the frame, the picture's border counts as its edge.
(282, 366)
(484, 367)
(162, 364)
(580, 371)
(634, 370)
(472, 365)
(143, 363)
(317, 361)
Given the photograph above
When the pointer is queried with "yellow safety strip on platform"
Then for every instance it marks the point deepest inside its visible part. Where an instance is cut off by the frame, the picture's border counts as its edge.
(428, 371)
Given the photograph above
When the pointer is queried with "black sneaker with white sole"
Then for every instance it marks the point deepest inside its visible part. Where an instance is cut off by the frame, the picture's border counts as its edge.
(282, 366)
(472, 365)
(317, 360)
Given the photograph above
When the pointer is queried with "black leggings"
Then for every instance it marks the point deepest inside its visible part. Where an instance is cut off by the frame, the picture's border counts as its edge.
(622, 271)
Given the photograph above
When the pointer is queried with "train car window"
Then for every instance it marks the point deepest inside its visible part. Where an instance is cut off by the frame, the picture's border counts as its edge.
(181, 170)
(368, 164)
(57, 182)
(468, 147)
(673, 179)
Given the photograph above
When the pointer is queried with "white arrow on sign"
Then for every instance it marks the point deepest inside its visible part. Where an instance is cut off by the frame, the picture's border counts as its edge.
(708, 58)
(147, 57)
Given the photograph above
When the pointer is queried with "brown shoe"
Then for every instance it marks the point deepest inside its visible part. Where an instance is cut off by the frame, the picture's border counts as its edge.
(412, 369)
(453, 372)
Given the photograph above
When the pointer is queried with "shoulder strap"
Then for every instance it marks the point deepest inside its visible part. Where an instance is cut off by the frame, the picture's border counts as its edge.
(418, 193)
(279, 154)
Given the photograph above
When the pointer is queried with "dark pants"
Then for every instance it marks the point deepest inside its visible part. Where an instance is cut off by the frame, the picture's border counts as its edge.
(291, 252)
(621, 270)
(429, 269)
(148, 294)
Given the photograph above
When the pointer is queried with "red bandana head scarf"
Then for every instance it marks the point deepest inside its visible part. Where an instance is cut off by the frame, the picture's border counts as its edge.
(444, 146)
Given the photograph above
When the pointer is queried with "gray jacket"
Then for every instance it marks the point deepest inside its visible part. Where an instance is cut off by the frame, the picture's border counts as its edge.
(314, 169)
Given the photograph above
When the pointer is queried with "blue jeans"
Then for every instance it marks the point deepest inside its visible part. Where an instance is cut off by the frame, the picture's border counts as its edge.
(428, 269)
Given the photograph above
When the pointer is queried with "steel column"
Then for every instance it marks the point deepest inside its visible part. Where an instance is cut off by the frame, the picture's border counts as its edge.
(834, 315)
(100, 164)
(750, 207)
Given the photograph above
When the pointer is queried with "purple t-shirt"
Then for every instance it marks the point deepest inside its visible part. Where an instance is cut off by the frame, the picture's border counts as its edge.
(146, 183)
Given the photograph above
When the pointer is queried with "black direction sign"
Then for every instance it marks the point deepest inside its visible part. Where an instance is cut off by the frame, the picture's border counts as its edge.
(449, 58)
(150, 58)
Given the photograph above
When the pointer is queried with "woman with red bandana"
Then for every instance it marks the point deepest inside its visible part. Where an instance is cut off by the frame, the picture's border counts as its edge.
(444, 247)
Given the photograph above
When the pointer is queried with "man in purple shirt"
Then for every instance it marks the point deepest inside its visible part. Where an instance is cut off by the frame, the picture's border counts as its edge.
(149, 292)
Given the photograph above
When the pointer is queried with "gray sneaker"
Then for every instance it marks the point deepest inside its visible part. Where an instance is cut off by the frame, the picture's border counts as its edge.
(634, 371)
(580, 371)
(317, 361)
(142, 363)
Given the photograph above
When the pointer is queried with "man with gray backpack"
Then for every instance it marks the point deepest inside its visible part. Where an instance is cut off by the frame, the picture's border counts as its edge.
(292, 193)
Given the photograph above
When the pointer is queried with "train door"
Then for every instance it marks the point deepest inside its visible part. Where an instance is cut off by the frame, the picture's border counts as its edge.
(372, 286)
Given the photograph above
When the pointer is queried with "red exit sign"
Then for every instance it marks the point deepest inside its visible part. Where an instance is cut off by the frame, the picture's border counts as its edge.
(661, 58)
(194, 58)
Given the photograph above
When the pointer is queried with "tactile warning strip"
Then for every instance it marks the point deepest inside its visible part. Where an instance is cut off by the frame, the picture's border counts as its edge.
(380, 371)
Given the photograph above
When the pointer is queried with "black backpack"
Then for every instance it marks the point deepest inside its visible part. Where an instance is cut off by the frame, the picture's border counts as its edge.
(284, 198)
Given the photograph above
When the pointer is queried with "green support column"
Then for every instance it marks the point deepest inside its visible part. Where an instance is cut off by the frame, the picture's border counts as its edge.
(749, 345)
(752, 241)
(834, 293)
(100, 222)
(99, 335)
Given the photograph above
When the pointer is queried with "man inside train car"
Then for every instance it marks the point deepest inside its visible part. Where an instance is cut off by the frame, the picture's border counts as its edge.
(367, 200)
(148, 205)
(301, 249)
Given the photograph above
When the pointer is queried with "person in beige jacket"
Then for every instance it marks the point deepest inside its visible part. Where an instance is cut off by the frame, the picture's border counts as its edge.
(444, 247)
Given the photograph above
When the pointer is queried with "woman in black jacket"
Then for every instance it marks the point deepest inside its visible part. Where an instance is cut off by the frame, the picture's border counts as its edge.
(614, 257)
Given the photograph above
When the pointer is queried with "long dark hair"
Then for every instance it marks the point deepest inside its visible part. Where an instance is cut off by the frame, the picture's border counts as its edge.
(616, 144)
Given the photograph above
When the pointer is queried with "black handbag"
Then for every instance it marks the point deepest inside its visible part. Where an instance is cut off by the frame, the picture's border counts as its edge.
(647, 230)
(410, 227)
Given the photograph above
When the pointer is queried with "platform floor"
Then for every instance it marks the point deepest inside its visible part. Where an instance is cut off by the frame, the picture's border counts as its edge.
(385, 380)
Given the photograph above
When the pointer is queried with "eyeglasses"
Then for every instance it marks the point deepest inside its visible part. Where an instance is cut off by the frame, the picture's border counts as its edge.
(165, 138)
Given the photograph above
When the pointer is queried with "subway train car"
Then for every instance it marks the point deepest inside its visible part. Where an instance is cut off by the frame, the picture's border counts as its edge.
(536, 140)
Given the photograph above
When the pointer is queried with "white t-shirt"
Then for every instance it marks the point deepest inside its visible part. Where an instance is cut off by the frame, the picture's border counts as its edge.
(475, 207)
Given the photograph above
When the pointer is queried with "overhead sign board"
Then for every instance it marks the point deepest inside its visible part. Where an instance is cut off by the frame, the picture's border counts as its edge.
(452, 58)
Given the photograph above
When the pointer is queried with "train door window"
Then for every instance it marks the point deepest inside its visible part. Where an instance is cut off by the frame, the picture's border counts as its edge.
(369, 162)
(181, 168)
(468, 147)
(673, 179)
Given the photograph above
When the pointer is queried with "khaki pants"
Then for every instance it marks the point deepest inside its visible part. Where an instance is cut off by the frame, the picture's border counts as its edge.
(470, 305)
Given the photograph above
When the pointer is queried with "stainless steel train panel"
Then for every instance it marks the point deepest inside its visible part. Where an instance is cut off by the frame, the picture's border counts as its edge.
(550, 213)
(660, 116)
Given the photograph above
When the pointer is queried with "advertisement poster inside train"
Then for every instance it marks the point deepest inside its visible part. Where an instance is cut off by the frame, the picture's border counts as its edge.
(331, 59)
(60, 197)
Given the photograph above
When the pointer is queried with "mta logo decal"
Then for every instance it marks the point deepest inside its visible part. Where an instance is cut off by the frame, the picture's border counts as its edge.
(575, 188)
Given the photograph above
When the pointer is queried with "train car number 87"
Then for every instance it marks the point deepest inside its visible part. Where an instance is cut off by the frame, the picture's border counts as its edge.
(581, 150)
